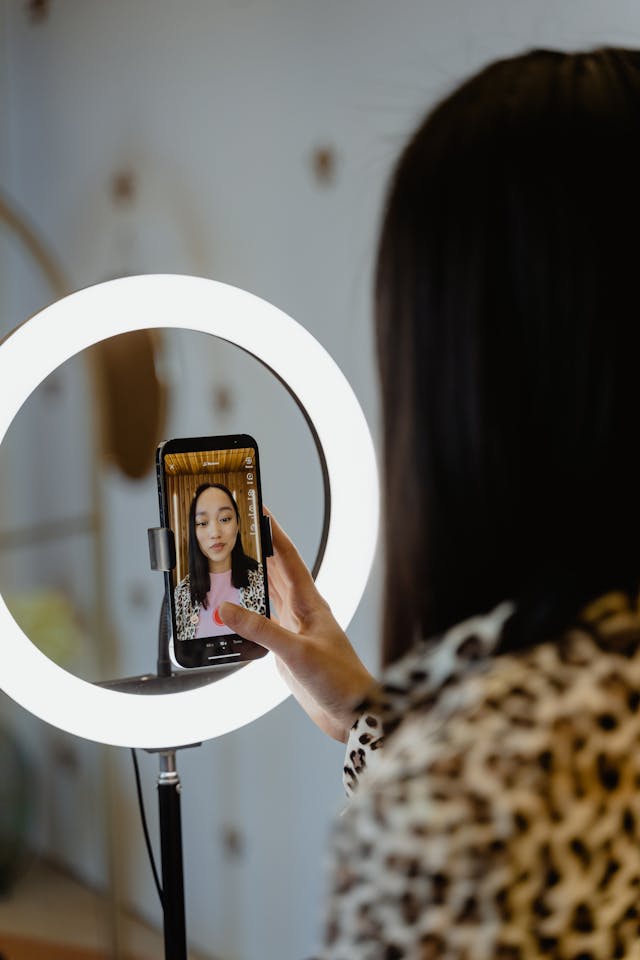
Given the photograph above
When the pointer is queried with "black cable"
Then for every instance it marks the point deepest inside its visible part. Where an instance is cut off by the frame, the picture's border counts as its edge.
(144, 827)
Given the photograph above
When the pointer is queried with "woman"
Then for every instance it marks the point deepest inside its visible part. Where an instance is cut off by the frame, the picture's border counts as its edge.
(501, 819)
(219, 569)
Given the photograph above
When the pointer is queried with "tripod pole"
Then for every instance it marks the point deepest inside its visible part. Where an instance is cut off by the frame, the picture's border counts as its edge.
(175, 937)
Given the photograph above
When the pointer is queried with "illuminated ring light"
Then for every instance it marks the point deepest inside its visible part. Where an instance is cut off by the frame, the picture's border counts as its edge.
(41, 344)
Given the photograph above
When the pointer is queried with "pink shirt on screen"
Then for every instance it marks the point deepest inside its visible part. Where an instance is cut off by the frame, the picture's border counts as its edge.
(221, 589)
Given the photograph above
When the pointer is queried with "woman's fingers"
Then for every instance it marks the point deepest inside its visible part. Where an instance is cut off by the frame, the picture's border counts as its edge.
(275, 576)
(253, 626)
(293, 580)
(275, 600)
(283, 597)
(275, 593)
(289, 561)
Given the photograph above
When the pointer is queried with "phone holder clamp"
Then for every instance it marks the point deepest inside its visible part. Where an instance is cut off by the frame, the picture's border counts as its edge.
(162, 548)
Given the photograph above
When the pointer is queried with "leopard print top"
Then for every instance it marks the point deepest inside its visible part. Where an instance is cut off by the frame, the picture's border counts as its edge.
(502, 818)
(252, 597)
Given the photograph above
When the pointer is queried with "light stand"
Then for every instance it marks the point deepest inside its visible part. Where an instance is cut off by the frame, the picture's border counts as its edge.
(169, 788)
(175, 934)
(172, 869)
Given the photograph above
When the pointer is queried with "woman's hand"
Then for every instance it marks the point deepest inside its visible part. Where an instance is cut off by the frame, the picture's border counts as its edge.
(313, 653)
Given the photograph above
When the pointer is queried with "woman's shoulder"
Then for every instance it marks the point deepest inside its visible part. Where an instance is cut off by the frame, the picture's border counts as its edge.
(416, 684)
(430, 668)
(459, 696)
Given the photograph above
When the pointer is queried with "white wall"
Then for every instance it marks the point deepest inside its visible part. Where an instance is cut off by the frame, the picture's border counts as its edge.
(217, 107)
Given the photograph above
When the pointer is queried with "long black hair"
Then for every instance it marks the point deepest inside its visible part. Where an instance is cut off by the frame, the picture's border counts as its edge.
(241, 562)
(508, 337)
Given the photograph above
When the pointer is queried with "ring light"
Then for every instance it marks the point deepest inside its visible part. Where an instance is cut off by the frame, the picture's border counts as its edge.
(41, 344)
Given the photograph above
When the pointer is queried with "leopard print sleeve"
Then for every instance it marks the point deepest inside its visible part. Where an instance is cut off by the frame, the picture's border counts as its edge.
(415, 682)
(365, 739)
(182, 598)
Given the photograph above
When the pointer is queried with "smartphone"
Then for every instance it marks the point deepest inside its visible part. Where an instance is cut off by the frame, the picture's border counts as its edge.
(210, 496)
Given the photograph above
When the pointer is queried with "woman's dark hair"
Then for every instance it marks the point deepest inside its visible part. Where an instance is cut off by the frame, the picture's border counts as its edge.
(508, 337)
(241, 563)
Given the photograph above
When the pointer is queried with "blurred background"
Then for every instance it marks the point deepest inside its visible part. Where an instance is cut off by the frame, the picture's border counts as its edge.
(248, 141)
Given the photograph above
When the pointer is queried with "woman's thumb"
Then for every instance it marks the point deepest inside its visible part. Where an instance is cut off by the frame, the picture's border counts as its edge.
(250, 625)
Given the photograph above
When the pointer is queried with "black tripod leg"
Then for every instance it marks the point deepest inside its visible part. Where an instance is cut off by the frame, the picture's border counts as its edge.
(175, 937)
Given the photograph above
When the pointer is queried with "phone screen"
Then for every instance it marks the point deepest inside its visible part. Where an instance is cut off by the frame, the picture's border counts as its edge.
(211, 498)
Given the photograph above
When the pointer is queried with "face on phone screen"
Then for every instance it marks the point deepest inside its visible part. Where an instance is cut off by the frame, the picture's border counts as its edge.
(213, 503)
